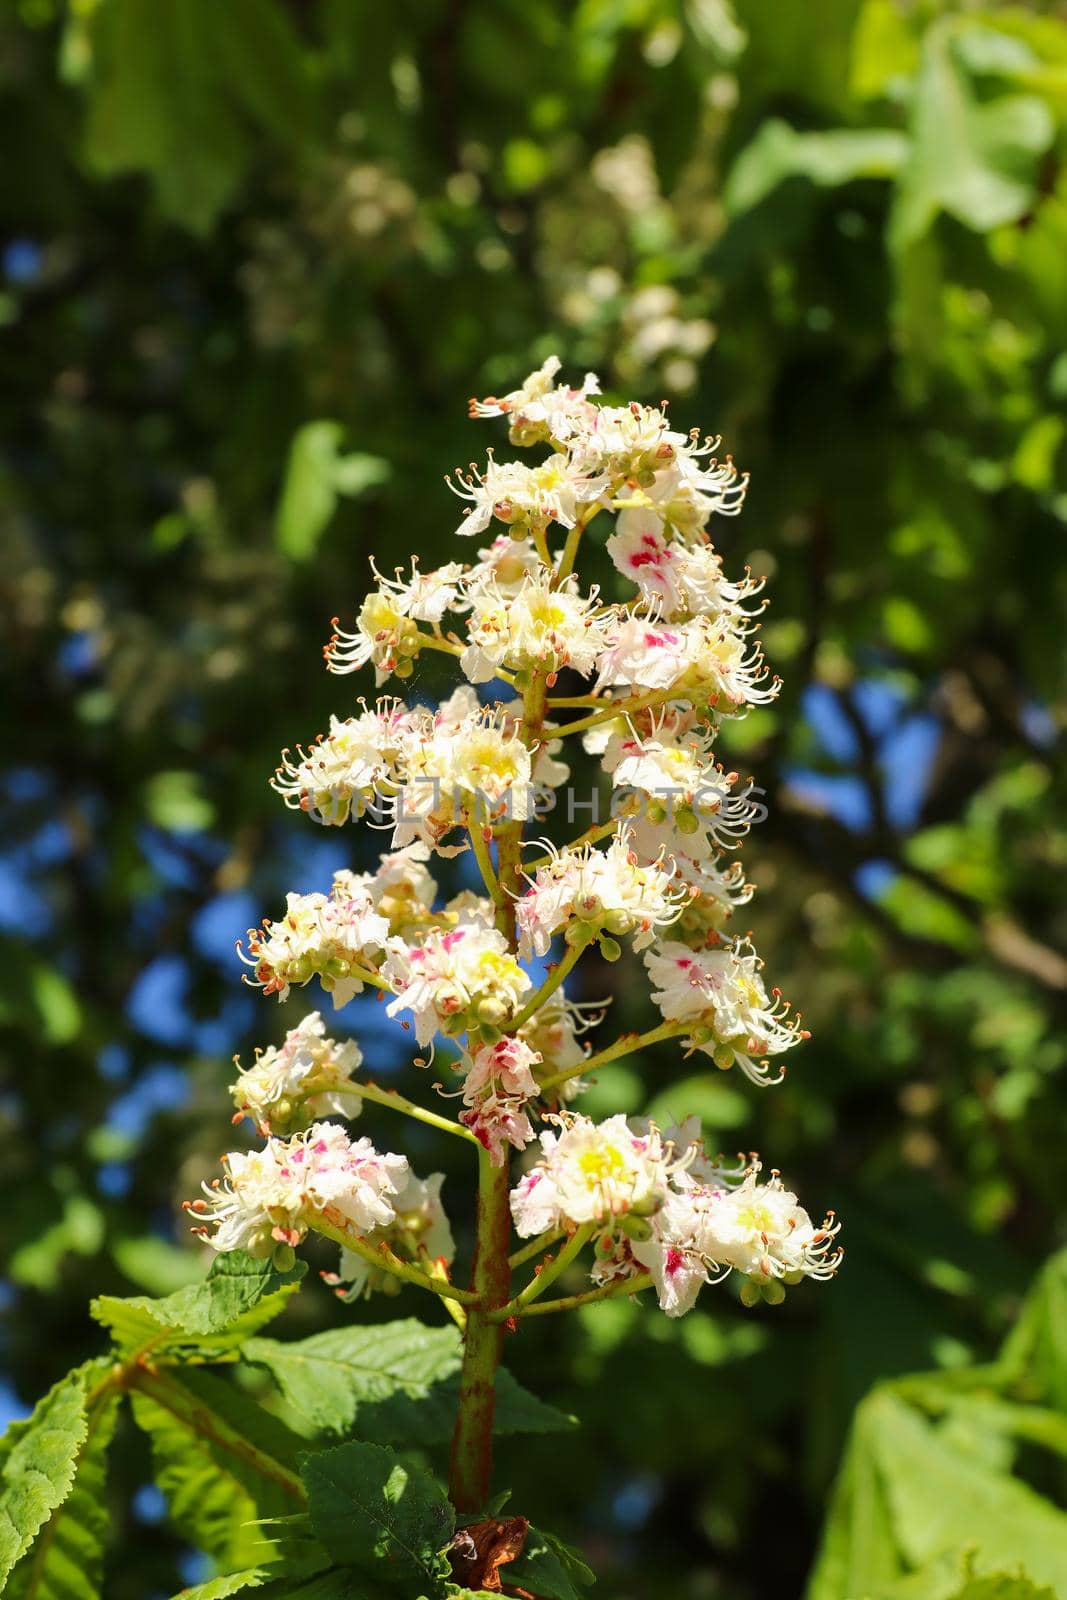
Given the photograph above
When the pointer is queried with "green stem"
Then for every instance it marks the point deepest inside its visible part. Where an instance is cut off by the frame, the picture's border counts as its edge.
(549, 987)
(570, 549)
(591, 1297)
(541, 545)
(437, 1271)
(472, 1441)
(623, 1046)
(544, 1241)
(619, 708)
(548, 1273)
(332, 1225)
(372, 978)
(485, 864)
(397, 1102)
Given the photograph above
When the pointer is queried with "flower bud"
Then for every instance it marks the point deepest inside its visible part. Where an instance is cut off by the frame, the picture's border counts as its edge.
(637, 1228)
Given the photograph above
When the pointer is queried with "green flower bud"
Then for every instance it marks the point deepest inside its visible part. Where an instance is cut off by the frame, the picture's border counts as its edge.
(610, 949)
(283, 1258)
(636, 1228)
(751, 1293)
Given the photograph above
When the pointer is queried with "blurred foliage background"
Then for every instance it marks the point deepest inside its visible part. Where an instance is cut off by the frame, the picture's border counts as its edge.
(256, 255)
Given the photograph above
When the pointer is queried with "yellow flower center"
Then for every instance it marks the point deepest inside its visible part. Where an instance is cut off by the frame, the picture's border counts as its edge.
(600, 1164)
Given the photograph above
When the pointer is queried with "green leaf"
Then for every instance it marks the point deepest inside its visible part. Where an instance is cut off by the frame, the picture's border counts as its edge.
(66, 1560)
(288, 1583)
(1035, 1352)
(78, 1231)
(153, 1264)
(519, 1411)
(376, 1514)
(973, 158)
(156, 106)
(550, 1567)
(334, 1378)
(951, 1579)
(232, 1583)
(826, 159)
(885, 50)
(238, 1297)
(222, 1462)
(1004, 1521)
(396, 1384)
(40, 1461)
(316, 474)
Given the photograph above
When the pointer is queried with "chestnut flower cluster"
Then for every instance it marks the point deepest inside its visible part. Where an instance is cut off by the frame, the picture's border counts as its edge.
(651, 671)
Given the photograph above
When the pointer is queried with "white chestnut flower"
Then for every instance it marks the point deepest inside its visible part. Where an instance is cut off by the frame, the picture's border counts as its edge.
(338, 938)
(680, 799)
(716, 890)
(349, 769)
(760, 1230)
(541, 410)
(676, 577)
(402, 887)
(526, 498)
(299, 1080)
(709, 659)
(456, 980)
(272, 1196)
(475, 771)
(719, 995)
(591, 1172)
(386, 632)
(555, 1032)
(597, 894)
(498, 1084)
(534, 626)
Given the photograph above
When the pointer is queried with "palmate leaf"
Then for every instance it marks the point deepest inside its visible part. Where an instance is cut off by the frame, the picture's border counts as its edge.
(65, 1561)
(238, 1297)
(222, 1462)
(382, 1517)
(887, 1529)
(395, 1384)
(1003, 1520)
(39, 1461)
(972, 157)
